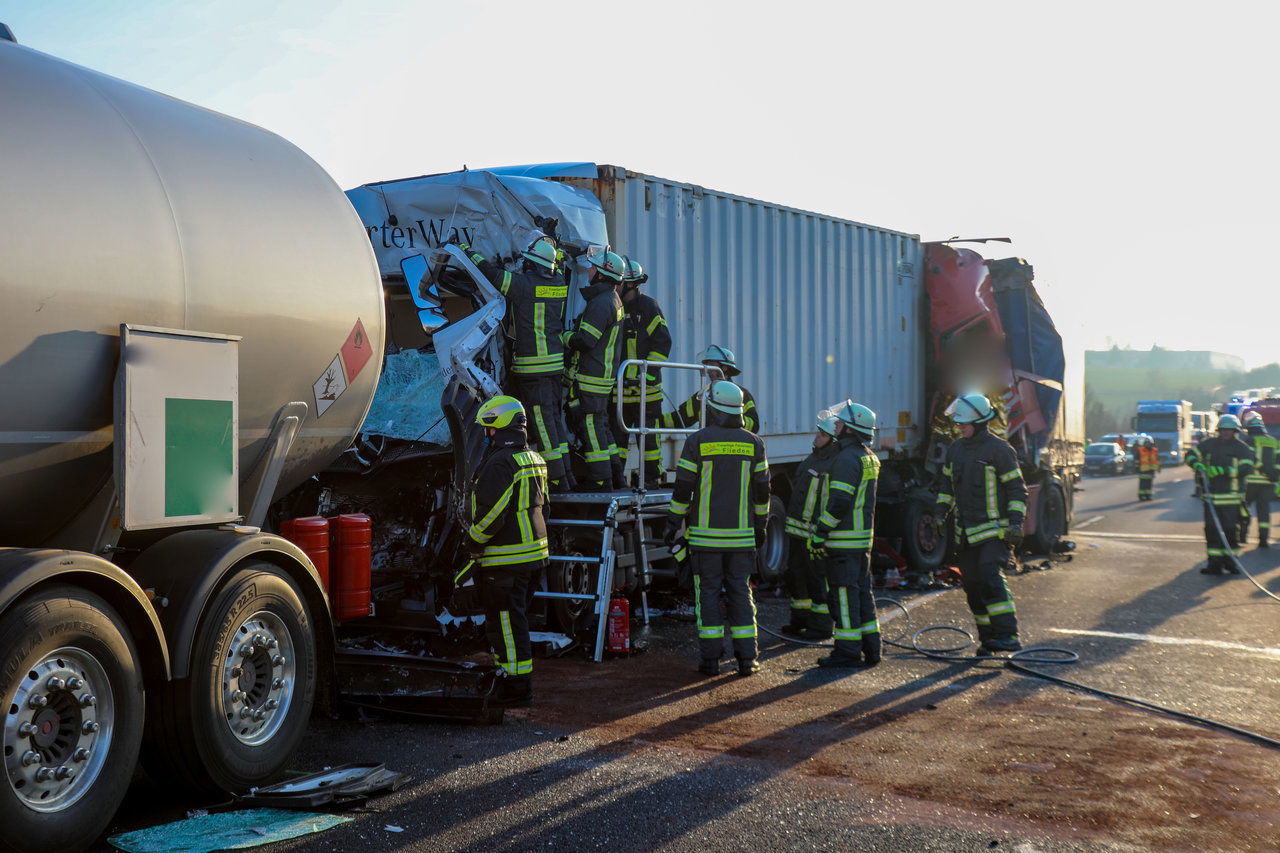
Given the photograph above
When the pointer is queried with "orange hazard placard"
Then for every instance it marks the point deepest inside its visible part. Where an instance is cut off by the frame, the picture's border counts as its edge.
(356, 352)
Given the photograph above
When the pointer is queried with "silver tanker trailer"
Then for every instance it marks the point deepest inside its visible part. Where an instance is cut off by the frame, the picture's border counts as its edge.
(169, 364)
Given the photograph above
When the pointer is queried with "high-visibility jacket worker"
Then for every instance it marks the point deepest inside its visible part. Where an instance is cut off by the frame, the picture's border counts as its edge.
(507, 539)
(689, 412)
(721, 495)
(983, 483)
(597, 340)
(1260, 483)
(1148, 456)
(536, 299)
(806, 583)
(842, 537)
(646, 336)
(1224, 462)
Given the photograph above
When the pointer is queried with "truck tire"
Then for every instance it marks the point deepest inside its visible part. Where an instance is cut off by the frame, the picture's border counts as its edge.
(771, 561)
(72, 673)
(924, 549)
(236, 721)
(1051, 521)
(569, 615)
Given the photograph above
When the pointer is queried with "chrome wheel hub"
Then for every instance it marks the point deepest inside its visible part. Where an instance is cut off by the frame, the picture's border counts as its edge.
(58, 729)
(259, 671)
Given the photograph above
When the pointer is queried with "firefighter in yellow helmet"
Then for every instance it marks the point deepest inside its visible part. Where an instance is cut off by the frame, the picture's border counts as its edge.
(507, 539)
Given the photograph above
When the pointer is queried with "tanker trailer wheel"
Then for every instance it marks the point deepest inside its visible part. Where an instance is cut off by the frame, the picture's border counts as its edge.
(771, 560)
(1051, 521)
(236, 721)
(74, 698)
(922, 545)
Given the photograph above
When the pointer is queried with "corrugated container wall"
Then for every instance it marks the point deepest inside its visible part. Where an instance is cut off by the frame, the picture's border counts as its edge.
(817, 309)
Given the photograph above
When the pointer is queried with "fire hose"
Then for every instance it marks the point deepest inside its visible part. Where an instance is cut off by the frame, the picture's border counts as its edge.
(1017, 662)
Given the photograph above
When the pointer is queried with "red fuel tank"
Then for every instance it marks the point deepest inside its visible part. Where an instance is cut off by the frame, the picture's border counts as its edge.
(311, 534)
(351, 595)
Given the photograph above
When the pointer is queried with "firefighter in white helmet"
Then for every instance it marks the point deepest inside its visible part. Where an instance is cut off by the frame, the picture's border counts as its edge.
(1222, 465)
(597, 340)
(983, 483)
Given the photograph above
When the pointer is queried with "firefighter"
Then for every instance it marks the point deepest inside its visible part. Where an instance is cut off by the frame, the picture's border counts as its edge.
(690, 410)
(842, 535)
(1148, 464)
(1224, 461)
(597, 340)
(721, 495)
(1260, 484)
(806, 584)
(983, 483)
(648, 337)
(536, 297)
(507, 539)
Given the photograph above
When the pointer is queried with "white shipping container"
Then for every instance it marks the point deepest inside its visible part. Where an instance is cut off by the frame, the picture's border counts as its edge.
(816, 309)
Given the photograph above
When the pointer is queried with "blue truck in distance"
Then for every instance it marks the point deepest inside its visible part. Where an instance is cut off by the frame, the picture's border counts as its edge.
(1169, 423)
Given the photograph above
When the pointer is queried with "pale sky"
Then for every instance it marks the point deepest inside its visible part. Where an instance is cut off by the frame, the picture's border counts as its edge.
(1129, 148)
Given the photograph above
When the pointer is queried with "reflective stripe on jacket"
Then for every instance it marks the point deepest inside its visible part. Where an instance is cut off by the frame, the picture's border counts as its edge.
(535, 311)
(807, 487)
(1224, 462)
(647, 337)
(982, 479)
(848, 498)
(597, 339)
(508, 505)
(722, 488)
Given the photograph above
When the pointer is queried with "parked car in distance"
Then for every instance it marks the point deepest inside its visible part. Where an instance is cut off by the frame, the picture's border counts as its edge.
(1104, 457)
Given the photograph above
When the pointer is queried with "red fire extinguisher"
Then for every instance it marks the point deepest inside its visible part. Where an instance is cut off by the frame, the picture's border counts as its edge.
(619, 626)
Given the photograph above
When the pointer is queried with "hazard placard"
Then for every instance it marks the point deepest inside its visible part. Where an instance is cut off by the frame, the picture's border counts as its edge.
(329, 387)
(356, 352)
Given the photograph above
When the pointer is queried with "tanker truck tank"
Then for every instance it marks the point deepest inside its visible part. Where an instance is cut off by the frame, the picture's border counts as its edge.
(122, 205)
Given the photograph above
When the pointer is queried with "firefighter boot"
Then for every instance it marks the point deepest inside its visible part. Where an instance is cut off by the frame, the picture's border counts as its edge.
(870, 648)
(1002, 644)
(709, 666)
(748, 666)
(820, 625)
(514, 691)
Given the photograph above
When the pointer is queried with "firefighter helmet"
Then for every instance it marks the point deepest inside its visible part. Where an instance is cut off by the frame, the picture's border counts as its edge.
(856, 417)
(971, 409)
(608, 264)
(725, 397)
(1228, 422)
(827, 423)
(543, 253)
(721, 357)
(1252, 418)
(501, 412)
(634, 274)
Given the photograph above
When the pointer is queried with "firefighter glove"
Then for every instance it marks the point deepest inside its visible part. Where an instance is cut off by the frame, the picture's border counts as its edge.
(669, 538)
(1014, 538)
(817, 547)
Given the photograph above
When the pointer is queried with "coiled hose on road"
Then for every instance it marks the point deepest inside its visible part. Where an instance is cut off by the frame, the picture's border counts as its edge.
(1017, 662)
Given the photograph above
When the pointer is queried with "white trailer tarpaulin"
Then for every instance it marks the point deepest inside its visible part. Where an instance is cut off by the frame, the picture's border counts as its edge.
(494, 213)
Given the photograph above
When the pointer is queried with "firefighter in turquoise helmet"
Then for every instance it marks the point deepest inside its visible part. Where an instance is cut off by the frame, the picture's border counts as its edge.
(806, 583)
(721, 496)
(647, 337)
(843, 534)
(597, 342)
(982, 483)
(689, 412)
(507, 539)
(1223, 464)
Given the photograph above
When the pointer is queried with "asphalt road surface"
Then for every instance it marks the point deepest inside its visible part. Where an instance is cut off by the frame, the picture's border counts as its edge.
(913, 755)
